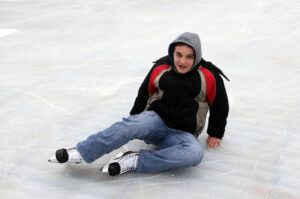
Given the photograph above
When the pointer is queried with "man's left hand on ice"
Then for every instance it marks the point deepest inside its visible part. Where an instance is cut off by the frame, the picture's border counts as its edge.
(212, 142)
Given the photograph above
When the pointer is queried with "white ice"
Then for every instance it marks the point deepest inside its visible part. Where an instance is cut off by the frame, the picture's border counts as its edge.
(69, 69)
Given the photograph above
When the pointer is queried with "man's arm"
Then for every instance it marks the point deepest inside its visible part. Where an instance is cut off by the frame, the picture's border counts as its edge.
(218, 115)
(144, 92)
(142, 97)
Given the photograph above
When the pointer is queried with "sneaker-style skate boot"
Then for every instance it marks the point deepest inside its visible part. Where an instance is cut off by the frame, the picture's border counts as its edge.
(122, 163)
(67, 155)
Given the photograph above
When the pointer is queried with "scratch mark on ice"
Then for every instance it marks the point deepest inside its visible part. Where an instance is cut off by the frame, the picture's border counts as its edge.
(254, 168)
(5, 31)
(46, 102)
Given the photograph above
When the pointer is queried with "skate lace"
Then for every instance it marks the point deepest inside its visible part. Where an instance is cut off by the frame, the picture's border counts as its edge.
(128, 163)
(74, 156)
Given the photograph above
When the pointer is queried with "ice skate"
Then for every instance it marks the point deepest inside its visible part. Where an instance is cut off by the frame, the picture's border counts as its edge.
(70, 155)
(121, 163)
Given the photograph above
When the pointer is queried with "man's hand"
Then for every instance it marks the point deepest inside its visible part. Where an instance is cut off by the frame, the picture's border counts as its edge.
(212, 142)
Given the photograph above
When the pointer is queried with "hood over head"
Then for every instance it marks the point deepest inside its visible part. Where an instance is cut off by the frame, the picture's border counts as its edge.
(190, 39)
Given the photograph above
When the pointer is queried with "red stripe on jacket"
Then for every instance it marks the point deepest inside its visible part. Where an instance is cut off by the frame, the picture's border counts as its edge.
(155, 73)
(210, 85)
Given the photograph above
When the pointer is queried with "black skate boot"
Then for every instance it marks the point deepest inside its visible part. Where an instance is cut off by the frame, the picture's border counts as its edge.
(67, 155)
(122, 163)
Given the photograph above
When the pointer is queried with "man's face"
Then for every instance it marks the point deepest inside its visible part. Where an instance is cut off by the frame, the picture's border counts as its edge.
(183, 58)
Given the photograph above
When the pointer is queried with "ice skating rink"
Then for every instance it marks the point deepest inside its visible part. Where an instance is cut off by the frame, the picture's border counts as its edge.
(72, 68)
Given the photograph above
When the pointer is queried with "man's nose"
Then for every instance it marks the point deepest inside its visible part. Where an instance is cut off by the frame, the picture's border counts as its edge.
(183, 60)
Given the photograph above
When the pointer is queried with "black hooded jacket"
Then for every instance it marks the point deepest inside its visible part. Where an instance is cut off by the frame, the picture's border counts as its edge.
(175, 97)
(177, 108)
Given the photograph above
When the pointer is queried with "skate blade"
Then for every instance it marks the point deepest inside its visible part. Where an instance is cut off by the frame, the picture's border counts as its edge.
(53, 160)
(104, 169)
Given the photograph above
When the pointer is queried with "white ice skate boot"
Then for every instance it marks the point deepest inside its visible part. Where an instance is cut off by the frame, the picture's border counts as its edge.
(67, 155)
(122, 163)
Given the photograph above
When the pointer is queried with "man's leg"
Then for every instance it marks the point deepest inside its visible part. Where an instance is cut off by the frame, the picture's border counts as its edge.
(141, 126)
(179, 149)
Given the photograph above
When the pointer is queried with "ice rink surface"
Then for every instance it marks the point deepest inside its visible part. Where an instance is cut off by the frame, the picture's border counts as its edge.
(69, 69)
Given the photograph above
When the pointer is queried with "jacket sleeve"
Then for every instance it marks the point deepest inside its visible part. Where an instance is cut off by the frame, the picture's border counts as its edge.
(218, 111)
(143, 93)
(142, 97)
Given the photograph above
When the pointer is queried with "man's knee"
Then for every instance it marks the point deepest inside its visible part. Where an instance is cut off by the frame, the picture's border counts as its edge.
(141, 117)
(148, 119)
(195, 154)
(199, 156)
(140, 125)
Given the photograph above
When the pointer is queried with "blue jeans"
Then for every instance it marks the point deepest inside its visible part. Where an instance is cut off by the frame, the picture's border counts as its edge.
(176, 149)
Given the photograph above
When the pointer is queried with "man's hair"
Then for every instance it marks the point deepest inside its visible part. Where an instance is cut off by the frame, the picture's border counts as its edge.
(183, 44)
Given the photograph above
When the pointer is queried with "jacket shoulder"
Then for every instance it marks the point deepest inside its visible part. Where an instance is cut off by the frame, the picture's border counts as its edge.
(217, 72)
(163, 61)
(155, 75)
(210, 84)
